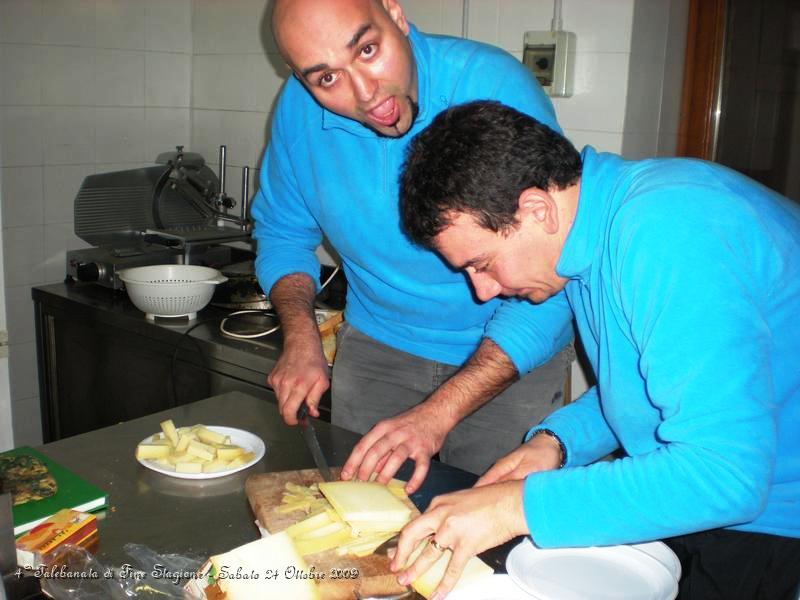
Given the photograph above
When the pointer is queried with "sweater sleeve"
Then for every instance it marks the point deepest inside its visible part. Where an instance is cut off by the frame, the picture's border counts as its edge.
(582, 429)
(689, 289)
(530, 334)
(286, 231)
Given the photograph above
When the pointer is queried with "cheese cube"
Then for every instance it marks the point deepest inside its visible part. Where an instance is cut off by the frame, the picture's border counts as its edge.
(144, 451)
(209, 437)
(201, 450)
(168, 427)
(229, 452)
(214, 466)
(242, 459)
(189, 467)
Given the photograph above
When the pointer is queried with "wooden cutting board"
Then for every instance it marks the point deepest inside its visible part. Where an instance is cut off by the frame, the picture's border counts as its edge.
(264, 491)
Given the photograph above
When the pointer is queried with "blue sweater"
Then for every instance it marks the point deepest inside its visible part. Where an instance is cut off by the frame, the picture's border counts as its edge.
(684, 278)
(326, 173)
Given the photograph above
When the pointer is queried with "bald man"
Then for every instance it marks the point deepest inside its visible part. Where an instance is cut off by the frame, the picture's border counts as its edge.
(422, 365)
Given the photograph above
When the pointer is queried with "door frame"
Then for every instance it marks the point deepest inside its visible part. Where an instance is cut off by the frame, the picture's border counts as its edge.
(702, 79)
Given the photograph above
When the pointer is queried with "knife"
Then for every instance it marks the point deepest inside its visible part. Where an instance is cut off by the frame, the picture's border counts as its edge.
(312, 443)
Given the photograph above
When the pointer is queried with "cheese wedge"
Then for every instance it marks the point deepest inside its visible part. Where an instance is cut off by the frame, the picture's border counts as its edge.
(426, 583)
(276, 553)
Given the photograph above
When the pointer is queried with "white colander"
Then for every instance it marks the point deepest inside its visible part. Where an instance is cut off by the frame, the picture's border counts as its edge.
(171, 290)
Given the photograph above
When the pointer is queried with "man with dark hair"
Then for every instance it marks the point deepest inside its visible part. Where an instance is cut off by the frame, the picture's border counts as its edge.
(684, 280)
(421, 366)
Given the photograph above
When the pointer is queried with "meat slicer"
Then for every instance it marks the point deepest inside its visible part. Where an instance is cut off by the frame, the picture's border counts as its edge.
(176, 212)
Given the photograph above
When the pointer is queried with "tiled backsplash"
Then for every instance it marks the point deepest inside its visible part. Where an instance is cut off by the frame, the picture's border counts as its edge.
(99, 85)
(87, 86)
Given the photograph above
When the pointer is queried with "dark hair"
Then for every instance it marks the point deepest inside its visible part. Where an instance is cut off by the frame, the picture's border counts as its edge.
(477, 158)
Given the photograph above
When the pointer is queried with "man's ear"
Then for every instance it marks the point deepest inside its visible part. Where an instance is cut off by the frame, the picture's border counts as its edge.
(395, 12)
(540, 206)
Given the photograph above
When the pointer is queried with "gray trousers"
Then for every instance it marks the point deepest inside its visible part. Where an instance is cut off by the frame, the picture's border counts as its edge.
(372, 381)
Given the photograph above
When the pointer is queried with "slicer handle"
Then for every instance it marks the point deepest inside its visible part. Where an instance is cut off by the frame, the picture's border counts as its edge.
(222, 160)
(245, 194)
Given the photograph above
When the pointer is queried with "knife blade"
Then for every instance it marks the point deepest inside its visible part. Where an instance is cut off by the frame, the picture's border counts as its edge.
(312, 443)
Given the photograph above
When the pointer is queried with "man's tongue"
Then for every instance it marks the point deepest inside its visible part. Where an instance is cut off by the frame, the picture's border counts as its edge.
(385, 113)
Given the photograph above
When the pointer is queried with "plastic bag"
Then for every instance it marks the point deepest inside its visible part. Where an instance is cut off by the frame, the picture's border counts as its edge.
(76, 574)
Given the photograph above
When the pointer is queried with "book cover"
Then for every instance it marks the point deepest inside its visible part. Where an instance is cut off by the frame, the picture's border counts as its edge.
(72, 491)
(67, 526)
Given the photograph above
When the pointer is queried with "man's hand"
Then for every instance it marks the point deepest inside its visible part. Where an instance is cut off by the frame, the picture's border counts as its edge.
(540, 453)
(467, 522)
(417, 434)
(301, 374)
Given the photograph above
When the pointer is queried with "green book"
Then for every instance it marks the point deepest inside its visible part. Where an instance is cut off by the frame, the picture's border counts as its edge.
(72, 492)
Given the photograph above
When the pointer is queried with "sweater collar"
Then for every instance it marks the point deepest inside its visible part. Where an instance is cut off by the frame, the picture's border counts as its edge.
(421, 53)
(585, 240)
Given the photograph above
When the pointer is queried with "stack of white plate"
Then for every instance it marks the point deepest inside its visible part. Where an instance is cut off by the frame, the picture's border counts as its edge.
(637, 572)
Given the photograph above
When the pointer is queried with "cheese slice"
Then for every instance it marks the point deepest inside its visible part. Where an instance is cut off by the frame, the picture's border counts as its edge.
(366, 502)
(267, 568)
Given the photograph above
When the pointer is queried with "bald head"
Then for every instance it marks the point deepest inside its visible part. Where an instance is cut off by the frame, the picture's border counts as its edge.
(353, 56)
(287, 12)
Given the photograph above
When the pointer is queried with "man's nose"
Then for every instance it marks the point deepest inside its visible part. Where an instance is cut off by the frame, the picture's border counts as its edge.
(364, 85)
(485, 287)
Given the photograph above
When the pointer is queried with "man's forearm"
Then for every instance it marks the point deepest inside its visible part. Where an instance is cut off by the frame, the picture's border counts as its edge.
(488, 372)
(292, 296)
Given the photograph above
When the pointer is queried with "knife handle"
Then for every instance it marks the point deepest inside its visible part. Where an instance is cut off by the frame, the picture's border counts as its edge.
(302, 412)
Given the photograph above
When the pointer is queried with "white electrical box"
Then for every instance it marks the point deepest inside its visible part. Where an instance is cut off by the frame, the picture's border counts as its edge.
(550, 55)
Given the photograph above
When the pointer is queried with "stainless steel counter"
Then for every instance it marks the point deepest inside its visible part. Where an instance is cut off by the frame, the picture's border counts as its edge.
(202, 517)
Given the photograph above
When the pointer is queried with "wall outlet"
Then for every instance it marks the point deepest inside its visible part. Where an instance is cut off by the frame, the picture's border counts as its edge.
(550, 55)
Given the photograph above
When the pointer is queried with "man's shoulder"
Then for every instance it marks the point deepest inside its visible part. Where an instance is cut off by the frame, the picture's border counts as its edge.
(296, 112)
(463, 56)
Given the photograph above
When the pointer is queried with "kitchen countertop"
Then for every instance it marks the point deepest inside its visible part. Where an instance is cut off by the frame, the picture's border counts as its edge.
(115, 309)
(205, 517)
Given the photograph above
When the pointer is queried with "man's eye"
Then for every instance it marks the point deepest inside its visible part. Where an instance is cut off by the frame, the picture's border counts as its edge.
(369, 50)
(327, 79)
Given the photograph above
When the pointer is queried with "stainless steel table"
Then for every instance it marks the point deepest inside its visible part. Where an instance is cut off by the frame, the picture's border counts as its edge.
(202, 517)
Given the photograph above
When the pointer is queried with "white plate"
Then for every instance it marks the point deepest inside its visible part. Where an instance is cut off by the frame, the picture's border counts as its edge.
(491, 587)
(239, 437)
(663, 554)
(598, 573)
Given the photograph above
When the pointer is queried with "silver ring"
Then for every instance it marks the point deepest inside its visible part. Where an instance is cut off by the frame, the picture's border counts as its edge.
(436, 545)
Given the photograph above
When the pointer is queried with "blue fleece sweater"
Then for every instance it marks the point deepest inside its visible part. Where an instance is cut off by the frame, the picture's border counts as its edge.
(684, 278)
(326, 173)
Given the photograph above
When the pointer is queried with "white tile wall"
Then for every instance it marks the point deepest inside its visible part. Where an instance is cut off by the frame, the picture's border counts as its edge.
(88, 85)
(168, 78)
(21, 21)
(22, 65)
(119, 79)
(120, 24)
(68, 134)
(23, 201)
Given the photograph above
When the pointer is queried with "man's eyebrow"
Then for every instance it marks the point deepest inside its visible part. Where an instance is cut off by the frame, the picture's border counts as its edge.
(352, 43)
(471, 262)
(318, 67)
(359, 34)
